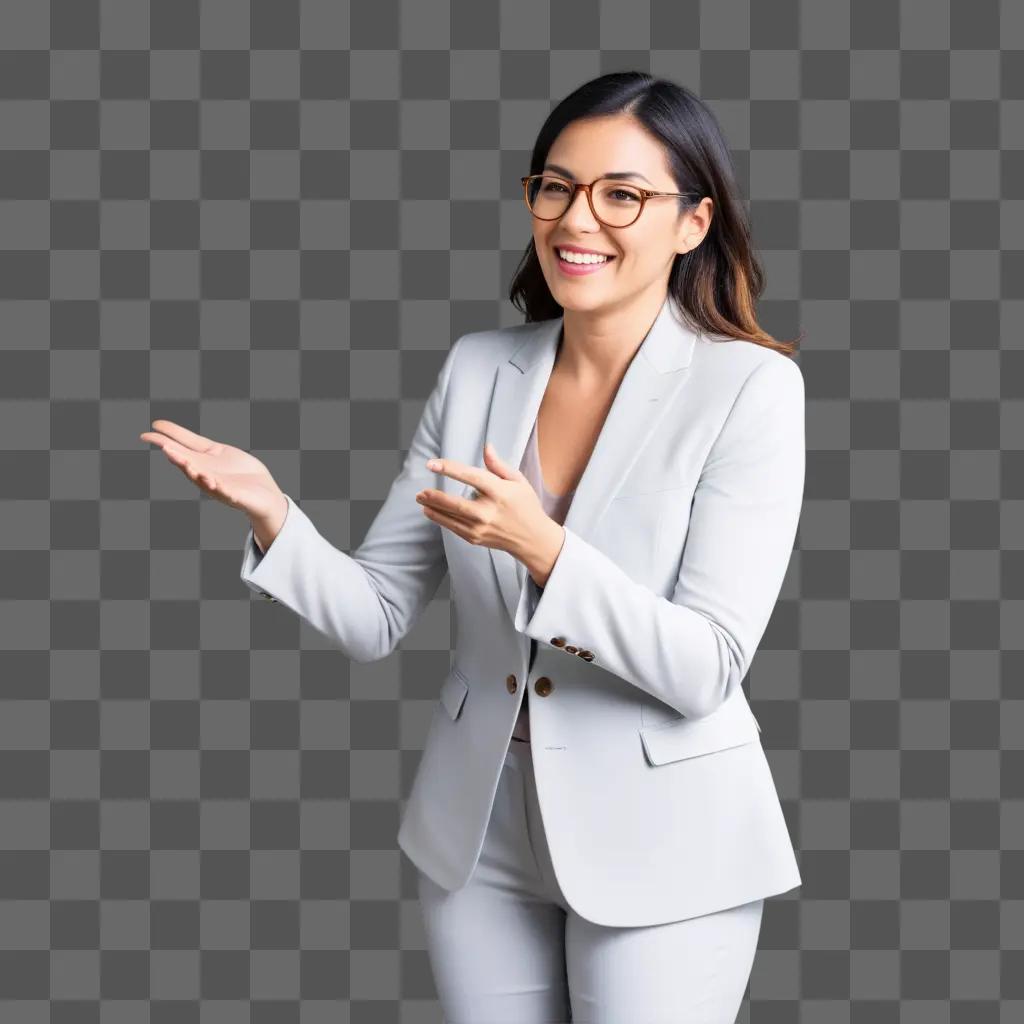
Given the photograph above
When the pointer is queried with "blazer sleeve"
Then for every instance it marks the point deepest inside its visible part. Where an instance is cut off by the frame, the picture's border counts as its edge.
(364, 603)
(692, 651)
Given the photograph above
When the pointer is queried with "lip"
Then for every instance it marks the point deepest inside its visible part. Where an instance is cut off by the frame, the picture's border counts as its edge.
(586, 252)
(579, 269)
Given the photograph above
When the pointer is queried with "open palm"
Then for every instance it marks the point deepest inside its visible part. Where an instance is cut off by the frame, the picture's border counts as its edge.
(224, 472)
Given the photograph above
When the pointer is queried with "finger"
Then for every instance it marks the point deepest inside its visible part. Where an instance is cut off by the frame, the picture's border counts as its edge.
(184, 437)
(189, 470)
(196, 475)
(151, 437)
(213, 487)
(160, 440)
(179, 455)
(480, 478)
(461, 508)
(450, 523)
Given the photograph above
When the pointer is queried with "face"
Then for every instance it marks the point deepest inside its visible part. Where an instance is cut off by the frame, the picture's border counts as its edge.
(644, 251)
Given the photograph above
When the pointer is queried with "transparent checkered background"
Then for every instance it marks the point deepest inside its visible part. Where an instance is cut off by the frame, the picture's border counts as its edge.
(268, 221)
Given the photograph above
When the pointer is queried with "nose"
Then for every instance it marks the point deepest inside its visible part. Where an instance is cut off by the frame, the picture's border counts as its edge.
(574, 216)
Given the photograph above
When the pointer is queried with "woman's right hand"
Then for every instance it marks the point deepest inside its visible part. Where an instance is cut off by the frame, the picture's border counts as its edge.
(231, 475)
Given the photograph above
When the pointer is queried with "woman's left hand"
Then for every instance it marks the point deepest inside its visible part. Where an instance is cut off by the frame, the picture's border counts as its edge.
(506, 513)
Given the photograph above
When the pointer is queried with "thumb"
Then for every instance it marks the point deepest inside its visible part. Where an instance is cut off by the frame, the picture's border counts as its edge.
(497, 465)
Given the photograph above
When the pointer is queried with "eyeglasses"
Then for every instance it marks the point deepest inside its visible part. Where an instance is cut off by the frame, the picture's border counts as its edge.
(614, 203)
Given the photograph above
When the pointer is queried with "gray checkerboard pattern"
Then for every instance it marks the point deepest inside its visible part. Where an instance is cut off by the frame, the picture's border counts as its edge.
(268, 221)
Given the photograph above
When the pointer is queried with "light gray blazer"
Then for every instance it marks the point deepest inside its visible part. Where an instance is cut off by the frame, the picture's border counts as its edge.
(657, 798)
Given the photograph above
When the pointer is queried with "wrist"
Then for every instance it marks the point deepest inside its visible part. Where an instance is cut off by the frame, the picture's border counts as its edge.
(266, 528)
(545, 554)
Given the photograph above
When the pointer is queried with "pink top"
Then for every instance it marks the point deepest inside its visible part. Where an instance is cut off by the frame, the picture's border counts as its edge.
(556, 506)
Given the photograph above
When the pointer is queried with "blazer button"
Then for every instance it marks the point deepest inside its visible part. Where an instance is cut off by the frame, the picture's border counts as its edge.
(569, 649)
(543, 686)
(587, 655)
(510, 683)
(558, 641)
(267, 597)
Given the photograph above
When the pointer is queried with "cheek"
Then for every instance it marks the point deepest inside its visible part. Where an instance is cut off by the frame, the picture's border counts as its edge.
(647, 258)
(635, 250)
(642, 249)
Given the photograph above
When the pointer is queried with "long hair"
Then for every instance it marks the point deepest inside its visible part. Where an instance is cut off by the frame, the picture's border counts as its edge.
(714, 286)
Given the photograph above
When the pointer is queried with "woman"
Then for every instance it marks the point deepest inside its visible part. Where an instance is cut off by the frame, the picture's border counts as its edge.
(614, 487)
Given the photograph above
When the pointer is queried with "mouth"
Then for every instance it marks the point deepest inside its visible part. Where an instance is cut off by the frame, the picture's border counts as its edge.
(587, 264)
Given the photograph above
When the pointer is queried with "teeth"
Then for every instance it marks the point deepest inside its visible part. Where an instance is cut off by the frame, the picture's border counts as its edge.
(579, 257)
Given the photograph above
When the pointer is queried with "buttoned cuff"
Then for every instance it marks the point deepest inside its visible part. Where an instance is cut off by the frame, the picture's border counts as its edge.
(540, 610)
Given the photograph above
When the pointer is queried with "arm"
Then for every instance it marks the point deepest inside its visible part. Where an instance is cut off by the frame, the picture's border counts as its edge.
(692, 651)
(364, 603)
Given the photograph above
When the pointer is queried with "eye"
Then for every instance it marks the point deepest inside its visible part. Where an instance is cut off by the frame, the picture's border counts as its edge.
(622, 193)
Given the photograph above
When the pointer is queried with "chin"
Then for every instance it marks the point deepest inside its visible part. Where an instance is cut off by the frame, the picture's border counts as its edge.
(580, 304)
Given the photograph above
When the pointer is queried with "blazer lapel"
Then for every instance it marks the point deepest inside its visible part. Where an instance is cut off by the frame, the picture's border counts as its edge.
(652, 380)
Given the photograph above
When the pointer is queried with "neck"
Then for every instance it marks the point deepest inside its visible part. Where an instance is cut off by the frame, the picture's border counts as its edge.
(597, 346)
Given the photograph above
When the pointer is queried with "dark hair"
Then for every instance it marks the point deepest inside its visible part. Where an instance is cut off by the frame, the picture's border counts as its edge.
(714, 285)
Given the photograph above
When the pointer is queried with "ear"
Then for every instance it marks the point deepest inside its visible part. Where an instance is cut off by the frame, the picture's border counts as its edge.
(695, 225)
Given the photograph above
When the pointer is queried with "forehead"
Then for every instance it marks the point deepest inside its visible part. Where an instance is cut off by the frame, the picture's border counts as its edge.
(590, 147)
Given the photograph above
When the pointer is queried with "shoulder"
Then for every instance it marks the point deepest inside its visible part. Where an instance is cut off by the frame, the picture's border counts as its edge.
(482, 351)
(744, 369)
(509, 337)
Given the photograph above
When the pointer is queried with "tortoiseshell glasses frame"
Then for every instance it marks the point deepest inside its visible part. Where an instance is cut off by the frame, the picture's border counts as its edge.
(575, 186)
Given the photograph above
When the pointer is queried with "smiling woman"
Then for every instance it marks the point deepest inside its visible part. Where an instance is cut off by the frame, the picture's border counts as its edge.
(682, 458)
(615, 866)
(662, 201)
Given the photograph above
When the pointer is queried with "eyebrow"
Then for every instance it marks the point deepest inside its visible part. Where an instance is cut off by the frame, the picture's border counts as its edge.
(610, 174)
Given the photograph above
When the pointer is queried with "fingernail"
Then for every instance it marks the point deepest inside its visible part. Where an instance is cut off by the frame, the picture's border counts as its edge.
(433, 464)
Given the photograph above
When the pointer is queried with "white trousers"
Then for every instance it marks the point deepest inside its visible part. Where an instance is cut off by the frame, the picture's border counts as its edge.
(508, 949)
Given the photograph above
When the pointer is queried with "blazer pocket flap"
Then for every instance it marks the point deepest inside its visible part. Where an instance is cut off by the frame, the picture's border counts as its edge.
(729, 726)
(453, 693)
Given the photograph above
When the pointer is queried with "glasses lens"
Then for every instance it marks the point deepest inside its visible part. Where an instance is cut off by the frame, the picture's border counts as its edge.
(616, 204)
(548, 197)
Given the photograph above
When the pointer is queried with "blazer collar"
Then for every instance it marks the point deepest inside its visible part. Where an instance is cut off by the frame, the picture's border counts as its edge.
(652, 380)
